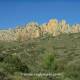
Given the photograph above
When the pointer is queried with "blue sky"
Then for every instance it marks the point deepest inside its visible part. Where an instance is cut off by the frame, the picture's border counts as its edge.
(20, 12)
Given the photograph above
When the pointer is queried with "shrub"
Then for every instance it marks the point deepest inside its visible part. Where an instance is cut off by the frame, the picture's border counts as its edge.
(14, 64)
(48, 62)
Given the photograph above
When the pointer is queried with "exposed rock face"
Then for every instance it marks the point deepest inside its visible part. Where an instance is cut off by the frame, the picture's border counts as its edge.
(28, 32)
(50, 27)
(75, 28)
(7, 35)
(64, 26)
(33, 30)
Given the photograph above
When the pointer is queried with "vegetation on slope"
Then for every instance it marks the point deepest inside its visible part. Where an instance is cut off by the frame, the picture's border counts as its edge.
(47, 54)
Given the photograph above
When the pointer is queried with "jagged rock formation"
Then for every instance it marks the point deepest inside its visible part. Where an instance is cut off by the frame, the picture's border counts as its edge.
(28, 32)
(33, 30)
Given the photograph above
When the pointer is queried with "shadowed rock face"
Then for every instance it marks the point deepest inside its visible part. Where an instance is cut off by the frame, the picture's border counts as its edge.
(33, 30)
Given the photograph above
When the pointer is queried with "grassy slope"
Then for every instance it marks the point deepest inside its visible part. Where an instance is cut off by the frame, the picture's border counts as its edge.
(59, 54)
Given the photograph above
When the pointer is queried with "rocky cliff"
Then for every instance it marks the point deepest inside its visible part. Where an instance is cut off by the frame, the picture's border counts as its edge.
(34, 30)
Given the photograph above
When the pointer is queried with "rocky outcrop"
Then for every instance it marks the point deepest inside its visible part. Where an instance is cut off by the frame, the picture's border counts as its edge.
(75, 28)
(28, 32)
(34, 30)
(7, 35)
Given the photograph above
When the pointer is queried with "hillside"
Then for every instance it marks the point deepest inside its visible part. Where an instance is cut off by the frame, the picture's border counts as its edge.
(46, 54)
(53, 47)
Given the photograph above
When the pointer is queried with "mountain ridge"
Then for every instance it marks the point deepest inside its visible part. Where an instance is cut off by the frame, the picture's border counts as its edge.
(34, 30)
